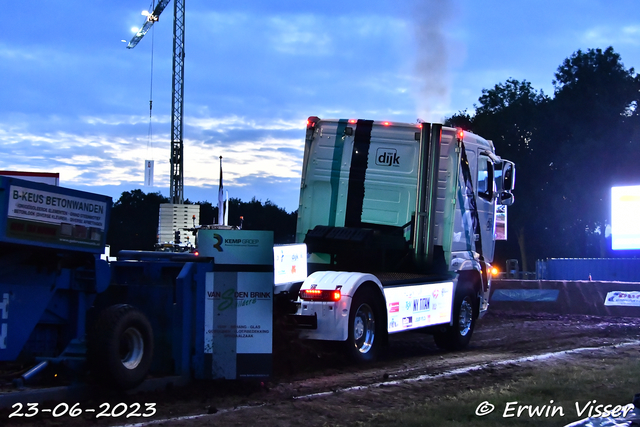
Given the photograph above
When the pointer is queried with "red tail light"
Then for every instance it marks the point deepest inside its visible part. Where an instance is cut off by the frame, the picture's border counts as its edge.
(320, 295)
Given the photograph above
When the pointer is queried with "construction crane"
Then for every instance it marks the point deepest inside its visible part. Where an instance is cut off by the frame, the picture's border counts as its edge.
(176, 178)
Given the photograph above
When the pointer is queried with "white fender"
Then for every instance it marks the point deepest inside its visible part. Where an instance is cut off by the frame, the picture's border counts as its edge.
(350, 281)
(333, 316)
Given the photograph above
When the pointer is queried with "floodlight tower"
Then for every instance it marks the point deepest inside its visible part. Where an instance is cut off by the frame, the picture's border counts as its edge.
(176, 178)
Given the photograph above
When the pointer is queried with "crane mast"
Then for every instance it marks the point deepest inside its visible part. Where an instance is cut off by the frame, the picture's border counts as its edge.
(177, 105)
(176, 177)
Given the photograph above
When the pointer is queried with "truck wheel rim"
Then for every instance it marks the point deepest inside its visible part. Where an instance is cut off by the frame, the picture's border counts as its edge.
(131, 348)
(364, 328)
(466, 317)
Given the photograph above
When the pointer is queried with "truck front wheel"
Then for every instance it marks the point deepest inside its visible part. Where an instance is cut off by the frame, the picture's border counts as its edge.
(365, 321)
(120, 347)
(458, 335)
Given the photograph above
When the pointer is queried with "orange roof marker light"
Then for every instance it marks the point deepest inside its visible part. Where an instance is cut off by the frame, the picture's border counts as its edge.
(312, 121)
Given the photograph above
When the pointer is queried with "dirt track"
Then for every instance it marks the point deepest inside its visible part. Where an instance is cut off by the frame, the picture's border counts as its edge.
(311, 388)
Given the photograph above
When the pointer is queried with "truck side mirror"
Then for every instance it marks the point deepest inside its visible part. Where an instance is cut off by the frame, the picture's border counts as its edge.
(508, 176)
(505, 198)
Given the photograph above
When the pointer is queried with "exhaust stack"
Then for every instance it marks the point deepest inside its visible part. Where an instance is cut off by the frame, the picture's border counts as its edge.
(429, 158)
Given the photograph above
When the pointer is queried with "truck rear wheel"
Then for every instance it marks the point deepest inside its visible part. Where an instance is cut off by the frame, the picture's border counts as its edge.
(365, 327)
(458, 335)
(120, 347)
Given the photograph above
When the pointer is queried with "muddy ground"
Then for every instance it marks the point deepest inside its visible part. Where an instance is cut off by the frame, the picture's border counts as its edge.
(321, 388)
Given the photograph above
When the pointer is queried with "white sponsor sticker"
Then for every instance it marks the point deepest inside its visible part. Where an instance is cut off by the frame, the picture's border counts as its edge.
(623, 298)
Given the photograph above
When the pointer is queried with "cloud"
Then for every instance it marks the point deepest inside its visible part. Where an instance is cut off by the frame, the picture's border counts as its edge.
(603, 36)
(235, 122)
(299, 35)
(267, 153)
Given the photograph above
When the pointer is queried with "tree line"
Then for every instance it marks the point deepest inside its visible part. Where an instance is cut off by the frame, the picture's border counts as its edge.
(569, 148)
(134, 219)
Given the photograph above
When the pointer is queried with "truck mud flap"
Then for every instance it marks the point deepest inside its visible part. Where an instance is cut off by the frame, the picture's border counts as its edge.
(303, 321)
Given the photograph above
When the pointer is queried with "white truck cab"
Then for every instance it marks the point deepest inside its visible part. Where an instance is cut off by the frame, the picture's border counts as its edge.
(400, 224)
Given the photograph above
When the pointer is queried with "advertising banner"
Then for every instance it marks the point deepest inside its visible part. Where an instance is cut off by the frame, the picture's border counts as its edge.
(238, 330)
(51, 217)
(148, 173)
(501, 222)
(620, 298)
(416, 306)
(239, 247)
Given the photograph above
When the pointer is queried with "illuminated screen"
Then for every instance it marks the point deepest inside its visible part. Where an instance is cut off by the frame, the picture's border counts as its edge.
(625, 217)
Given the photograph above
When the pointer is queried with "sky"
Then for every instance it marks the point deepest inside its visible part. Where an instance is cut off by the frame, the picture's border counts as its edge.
(75, 101)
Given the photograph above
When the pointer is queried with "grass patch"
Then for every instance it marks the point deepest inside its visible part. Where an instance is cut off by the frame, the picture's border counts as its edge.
(549, 395)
